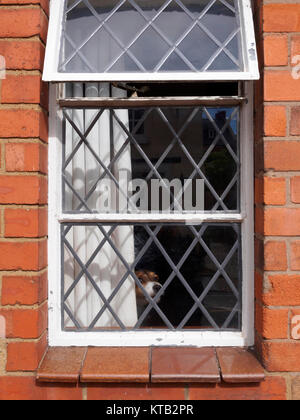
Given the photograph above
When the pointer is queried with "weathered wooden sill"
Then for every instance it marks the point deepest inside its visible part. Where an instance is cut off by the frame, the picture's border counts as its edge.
(149, 365)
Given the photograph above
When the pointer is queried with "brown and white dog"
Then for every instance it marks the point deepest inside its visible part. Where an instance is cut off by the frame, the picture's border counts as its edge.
(150, 282)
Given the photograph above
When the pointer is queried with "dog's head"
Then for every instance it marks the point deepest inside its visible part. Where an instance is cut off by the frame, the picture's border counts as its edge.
(150, 282)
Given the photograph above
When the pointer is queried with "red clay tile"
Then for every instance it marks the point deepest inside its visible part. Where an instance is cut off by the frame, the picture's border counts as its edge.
(116, 364)
(184, 364)
(239, 365)
(61, 364)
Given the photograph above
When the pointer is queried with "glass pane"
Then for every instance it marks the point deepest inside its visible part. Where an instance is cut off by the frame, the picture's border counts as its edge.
(151, 160)
(165, 276)
(104, 36)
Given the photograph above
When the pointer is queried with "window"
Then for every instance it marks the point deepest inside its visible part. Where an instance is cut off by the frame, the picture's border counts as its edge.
(134, 40)
(150, 176)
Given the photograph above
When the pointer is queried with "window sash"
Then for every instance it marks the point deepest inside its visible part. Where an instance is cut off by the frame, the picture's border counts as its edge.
(188, 291)
(249, 55)
(184, 216)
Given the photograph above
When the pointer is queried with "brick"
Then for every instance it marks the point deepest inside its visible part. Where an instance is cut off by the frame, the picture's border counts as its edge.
(274, 191)
(257, 13)
(62, 364)
(295, 324)
(272, 323)
(43, 121)
(259, 190)
(28, 256)
(281, 356)
(26, 157)
(23, 190)
(23, 54)
(27, 223)
(295, 121)
(62, 392)
(25, 388)
(275, 256)
(259, 156)
(20, 388)
(116, 364)
(25, 356)
(281, 18)
(295, 312)
(273, 388)
(282, 222)
(275, 121)
(295, 255)
(24, 290)
(25, 323)
(281, 86)
(259, 220)
(259, 283)
(24, 123)
(295, 189)
(295, 56)
(295, 46)
(22, 23)
(27, 89)
(259, 253)
(43, 3)
(135, 392)
(283, 290)
(282, 155)
(276, 50)
(259, 115)
(296, 388)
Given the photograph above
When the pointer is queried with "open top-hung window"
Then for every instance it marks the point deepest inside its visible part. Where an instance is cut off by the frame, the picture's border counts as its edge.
(150, 182)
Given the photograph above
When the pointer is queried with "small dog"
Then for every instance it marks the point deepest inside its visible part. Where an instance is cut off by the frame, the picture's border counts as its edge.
(150, 282)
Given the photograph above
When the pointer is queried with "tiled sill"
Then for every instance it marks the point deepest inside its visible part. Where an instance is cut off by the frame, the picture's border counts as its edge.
(145, 365)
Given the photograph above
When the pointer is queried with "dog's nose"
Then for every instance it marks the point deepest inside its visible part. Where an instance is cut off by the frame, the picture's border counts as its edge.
(156, 288)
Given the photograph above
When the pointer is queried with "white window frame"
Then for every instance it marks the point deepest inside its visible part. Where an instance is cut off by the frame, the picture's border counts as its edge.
(54, 42)
(58, 337)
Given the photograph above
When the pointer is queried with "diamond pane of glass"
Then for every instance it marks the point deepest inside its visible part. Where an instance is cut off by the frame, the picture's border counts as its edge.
(141, 160)
(150, 36)
(229, 21)
(163, 276)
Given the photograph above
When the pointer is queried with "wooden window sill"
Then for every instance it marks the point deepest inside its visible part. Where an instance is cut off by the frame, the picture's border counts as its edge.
(149, 365)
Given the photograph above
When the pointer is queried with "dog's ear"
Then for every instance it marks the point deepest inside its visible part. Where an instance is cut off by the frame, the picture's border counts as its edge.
(153, 276)
(141, 275)
(145, 275)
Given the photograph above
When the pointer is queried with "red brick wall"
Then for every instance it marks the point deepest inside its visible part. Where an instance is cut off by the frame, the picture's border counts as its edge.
(277, 152)
(23, 191)
(23, 213)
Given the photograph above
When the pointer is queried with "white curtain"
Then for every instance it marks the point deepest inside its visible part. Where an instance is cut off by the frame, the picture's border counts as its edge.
(106, 269)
